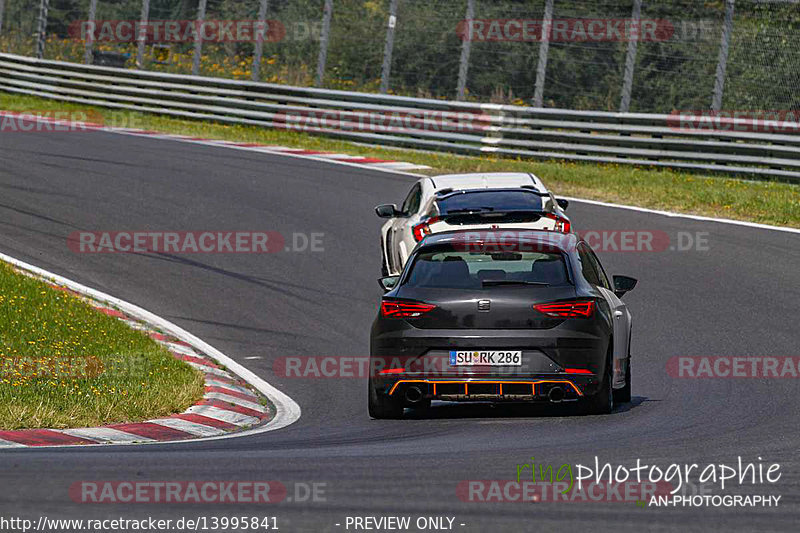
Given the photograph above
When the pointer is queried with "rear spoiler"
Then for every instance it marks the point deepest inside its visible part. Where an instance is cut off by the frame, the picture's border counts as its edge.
(446, 193)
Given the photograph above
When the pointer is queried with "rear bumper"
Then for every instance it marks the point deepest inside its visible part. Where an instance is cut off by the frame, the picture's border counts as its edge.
(551, 388)
(571, 356)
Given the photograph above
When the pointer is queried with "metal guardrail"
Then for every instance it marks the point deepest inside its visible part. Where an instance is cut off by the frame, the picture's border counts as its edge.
(520, 132)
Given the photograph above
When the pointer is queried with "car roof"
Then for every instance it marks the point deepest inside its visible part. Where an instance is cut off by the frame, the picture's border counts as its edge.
(486, 180)
(563, 241)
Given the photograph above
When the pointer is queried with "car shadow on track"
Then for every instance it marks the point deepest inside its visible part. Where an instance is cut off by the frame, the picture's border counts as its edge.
(443, 410)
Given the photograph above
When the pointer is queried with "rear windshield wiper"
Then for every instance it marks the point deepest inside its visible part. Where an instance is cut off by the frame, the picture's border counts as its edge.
(471, 210)
(491, 211)
(490, 282)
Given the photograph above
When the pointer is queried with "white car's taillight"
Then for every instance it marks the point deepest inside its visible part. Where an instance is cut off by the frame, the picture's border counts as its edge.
(423, 228)
(562, 224)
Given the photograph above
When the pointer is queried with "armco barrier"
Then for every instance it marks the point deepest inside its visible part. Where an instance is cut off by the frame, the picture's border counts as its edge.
(513, 131)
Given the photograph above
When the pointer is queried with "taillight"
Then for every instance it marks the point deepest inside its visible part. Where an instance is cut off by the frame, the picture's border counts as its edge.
(423, 228)
(571, 309)
(404, 309)
(577, 371)
(562, 224)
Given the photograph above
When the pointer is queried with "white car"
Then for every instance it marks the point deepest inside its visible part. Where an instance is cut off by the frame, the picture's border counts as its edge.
(515, 200)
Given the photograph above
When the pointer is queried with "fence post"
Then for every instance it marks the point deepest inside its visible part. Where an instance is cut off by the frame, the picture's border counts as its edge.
(41, 31)
(722, 64)
(87, 47)
(2, 10)
(259, 46)
(630, 58)
(323, 42)
(198, 39)
(386, 70)
(544, 47)
(142, 33)
(466, 46)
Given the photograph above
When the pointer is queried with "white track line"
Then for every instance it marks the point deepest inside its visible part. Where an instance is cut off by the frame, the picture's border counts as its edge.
(287, 410)
(10, 444)
(683, 215)
(106, 435)
(199, 430)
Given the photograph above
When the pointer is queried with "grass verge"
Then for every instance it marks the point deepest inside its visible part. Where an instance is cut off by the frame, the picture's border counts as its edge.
(767, 202)
(64, 364)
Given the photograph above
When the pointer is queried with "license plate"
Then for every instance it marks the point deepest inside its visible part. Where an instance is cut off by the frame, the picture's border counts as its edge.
(485, 358)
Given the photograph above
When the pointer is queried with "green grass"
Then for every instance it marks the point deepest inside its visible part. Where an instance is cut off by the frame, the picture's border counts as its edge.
(767, 202)
(63, 364)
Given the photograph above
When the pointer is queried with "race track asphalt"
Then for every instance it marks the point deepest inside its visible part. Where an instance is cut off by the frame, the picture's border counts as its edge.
(737, 298)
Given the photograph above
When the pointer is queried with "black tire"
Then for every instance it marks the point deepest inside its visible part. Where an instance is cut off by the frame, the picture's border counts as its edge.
(623, 395)
(382, 406)
(602, 402)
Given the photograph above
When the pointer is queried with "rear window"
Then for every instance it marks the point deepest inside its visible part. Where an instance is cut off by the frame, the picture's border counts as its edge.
(475, 270)
(489, 200)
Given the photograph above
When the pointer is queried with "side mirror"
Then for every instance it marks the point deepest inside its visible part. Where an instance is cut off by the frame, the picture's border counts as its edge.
(623, 284)
(388, 283)
(386, 211)
(562, 203)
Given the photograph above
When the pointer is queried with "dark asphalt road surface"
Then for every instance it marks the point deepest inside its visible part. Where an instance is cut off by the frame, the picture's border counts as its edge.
(738, 298)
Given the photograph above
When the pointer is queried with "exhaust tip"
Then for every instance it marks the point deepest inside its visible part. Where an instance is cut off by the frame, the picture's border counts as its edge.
(414, 394)
(556, 394)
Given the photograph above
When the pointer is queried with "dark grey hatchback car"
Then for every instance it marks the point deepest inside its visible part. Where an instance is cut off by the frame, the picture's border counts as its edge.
(500, 316)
